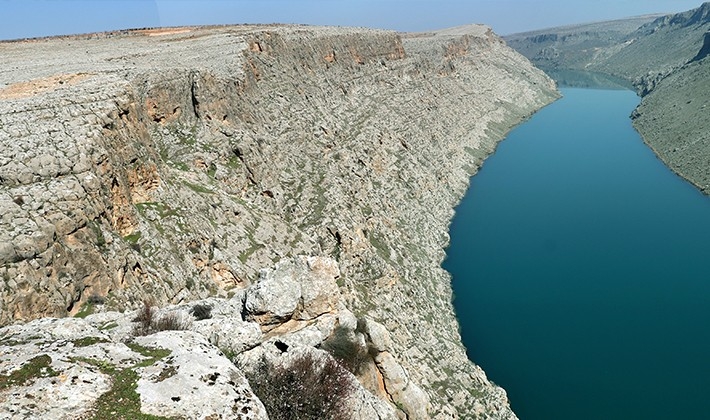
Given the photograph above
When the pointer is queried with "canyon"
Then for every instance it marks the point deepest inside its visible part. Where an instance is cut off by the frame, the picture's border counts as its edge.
(664, 58)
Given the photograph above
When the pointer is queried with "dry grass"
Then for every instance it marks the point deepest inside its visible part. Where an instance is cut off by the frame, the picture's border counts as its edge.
(35, 87)
(148, 322)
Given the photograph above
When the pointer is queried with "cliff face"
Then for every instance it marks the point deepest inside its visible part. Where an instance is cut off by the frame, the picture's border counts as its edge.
(172, 165)
(576, 46)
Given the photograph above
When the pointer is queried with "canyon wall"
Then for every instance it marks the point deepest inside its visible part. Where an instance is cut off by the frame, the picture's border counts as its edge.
(171, 165)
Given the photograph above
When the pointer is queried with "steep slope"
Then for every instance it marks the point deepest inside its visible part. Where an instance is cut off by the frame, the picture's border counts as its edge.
(660, 47)
(673, 119)
(666, 61)
(576, 46)
(170, 165)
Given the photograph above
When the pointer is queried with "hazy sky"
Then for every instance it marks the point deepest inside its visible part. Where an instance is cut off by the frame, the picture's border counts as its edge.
(31, 18)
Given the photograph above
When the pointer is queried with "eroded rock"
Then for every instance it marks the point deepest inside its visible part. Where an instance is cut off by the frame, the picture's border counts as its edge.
(302, 288)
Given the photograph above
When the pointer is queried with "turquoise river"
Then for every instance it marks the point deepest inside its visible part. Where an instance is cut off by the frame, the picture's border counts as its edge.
(581, 269)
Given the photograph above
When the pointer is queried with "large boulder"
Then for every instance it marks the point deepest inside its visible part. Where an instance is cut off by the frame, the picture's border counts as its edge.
(301, 288)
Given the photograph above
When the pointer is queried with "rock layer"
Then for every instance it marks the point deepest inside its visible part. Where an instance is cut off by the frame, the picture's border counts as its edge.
(170, 166)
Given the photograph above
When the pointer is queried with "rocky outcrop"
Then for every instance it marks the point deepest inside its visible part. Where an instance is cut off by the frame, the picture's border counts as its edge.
(80, 368)
(173, 166)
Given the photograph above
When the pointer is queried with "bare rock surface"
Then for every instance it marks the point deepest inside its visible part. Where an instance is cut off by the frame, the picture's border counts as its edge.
(173, 165)
(195, 381)
(99, 367)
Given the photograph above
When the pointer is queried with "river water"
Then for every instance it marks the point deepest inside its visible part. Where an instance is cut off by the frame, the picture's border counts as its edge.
(581, 269)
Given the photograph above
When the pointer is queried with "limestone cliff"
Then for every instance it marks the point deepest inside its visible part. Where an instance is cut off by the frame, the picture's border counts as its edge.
(172, 165)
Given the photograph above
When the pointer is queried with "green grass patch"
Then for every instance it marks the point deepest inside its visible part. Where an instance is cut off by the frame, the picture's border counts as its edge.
(108, 326)
(133, 238)
(96, 228)
(152, 354)
(103, 365)
(181, 166)
(10, 341)
(122, 401)
(380, 245)
(244, 256)
(37, 367)
(234, 162)
(86, 310)
(89, 341)
(198, 188)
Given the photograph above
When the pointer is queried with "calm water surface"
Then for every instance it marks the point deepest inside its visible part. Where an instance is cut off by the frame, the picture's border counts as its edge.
(581, 269)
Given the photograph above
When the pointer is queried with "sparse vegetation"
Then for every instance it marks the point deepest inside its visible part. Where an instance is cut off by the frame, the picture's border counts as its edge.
(347, 350)
(133, 237)
(166, 373)
(86, 310)
(169, 322)
(88, 341)
(149, 323)
(304, 389)
(198, 188)
(37, 367)
(96, 228)
(212, 170)
(201, 312)
(122, 401)
(108, 326)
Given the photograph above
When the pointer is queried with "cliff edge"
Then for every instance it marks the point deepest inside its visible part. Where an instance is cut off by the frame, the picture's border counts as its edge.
(173, 165)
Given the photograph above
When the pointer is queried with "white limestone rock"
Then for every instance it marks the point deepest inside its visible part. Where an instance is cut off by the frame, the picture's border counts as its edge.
(302, 288)
(402, 390)
(196, 381)
(378, 336)
(275, 296)
(228, 334)
(319, 289)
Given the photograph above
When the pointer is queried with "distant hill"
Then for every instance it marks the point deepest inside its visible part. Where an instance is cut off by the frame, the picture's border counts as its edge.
(664, 57)
(576, 46)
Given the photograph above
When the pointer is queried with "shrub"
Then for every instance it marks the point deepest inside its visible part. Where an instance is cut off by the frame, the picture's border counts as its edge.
(144, 318)
(148, 323)
(201, 312)
(349, 352)
(303, 389)
(169, 322)
(96, 299)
